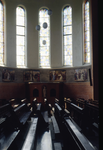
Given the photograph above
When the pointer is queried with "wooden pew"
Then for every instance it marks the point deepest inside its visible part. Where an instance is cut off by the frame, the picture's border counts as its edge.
(91, 117)
(94, 102)
(45, 141)
(56, 101)
(68, 103)
(15, 102)
(77, 113)
(66, 113)
(23, 113)
(7, 127)
(87, 116)
(12, 118)
(58, 110)
(56, 127)
(80, 102)
(4, 113)
(38, 110)
(45, 116)
(76, 139)
(77, 108)
(31, 136)
(57, 146)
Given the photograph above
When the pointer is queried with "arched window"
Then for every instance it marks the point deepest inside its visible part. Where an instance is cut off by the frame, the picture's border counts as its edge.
(20, 37)
(44, 38)
(67, 35)
(1, 33)
(86, 32)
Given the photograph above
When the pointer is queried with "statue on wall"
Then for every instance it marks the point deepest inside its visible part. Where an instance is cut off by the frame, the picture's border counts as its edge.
(44, 91)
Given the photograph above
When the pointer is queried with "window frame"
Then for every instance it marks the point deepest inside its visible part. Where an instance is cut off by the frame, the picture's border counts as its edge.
(68, 65)
(40, 66)
(84, 62)
(3, 31)
(25, 38)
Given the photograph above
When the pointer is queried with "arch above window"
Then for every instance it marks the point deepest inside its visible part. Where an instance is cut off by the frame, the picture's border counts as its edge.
(21, 37)
(1, 33)
(44, 38)
(67, 35)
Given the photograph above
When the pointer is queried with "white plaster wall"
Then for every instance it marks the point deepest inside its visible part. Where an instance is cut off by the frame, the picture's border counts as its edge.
(32, 9)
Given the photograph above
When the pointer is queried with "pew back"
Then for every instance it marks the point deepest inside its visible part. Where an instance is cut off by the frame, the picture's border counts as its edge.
(78, 140)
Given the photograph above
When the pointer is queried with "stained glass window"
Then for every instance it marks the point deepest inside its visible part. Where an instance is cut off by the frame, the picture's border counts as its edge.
(44, 38)
(86, 33)
(1, 33)
(20, 36)
(67, 35)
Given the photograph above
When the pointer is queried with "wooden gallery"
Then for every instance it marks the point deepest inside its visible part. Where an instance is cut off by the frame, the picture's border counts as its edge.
(49, 75)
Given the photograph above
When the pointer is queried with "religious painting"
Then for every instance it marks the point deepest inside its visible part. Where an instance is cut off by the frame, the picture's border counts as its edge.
(8, 75)
(36, 76)
(57, 75)
(27, 76)
(80, 75)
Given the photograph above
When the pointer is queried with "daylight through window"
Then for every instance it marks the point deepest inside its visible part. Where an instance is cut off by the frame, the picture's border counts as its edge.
(20, 36)
(44, 38)
(67, 35)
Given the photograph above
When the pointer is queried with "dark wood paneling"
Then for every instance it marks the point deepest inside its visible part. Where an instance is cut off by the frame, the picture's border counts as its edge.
(72, 90)
(78, 90)
(49, 86)
(12, 90)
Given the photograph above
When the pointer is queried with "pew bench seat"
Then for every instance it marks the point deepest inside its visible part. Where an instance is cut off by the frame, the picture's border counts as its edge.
(44, 142)
(95, 126)
(58, 109)
(77, 108)
(22, 113)
(39, 107)
(7, 139)
(24, 117)
(45, 116)
(4, 113)
(2, 120)
(66, 113)
(55, 127)
(30, 139)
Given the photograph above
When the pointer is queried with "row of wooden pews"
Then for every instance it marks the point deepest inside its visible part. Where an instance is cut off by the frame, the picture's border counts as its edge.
(39, 124)
(31, 136)
(13, 116)
(13, 120)
(29, 140)
(46, 141)
(73, 137)
(84, 113)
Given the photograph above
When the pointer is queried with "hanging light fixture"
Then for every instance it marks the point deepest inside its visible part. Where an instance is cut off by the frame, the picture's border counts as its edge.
(38, 27)
(49, 12)
(45, 25)
(44, 42)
